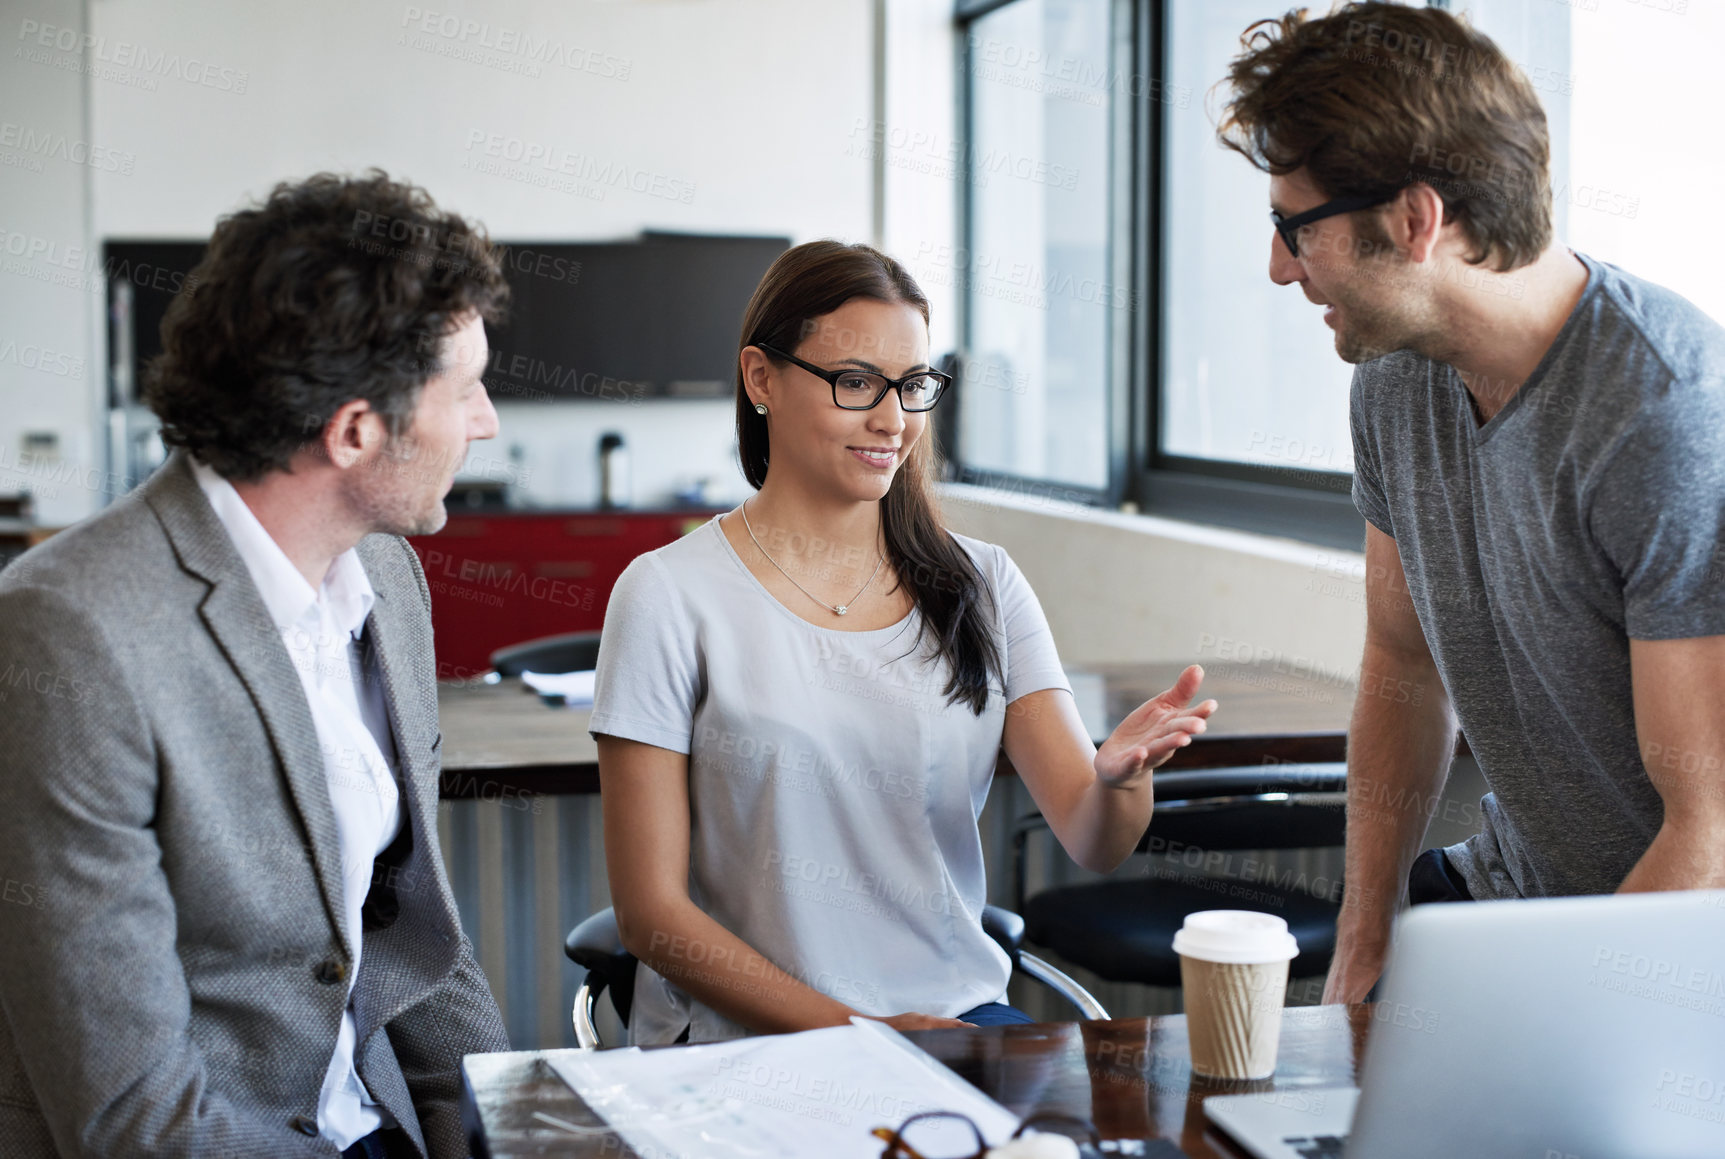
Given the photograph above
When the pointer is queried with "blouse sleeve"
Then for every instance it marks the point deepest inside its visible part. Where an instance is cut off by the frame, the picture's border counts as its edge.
(648, 680)
(1031, 661)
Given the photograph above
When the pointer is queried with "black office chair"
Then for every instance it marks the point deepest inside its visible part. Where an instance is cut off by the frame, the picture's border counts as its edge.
(569, 652)
(1123, 929)
(596, 946)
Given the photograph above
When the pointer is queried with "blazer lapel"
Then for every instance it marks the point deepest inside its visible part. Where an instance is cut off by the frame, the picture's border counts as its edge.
(235, 614)
(419, 947)
(411, 727)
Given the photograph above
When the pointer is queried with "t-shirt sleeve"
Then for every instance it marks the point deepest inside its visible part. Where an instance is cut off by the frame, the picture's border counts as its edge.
(1657, 510)
(1031, 661)
(1368, 480)
(648, 681)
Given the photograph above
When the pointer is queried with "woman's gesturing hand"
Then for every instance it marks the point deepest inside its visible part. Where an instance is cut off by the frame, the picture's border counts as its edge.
(1153, 730)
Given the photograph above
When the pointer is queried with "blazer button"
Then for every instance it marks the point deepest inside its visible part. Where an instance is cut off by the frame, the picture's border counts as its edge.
(304, 1124)
(330, 972)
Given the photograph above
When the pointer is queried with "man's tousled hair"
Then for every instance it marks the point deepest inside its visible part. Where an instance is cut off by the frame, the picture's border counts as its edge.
(1378, 96)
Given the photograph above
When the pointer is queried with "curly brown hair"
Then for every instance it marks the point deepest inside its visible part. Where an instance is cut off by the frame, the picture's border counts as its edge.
(333, 289)
(1378, 96)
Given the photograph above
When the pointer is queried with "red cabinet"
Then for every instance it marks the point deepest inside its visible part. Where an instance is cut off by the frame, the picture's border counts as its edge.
(498, 578)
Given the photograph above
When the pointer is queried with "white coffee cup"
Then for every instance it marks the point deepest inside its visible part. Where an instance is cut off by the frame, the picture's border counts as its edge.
(1233, 973)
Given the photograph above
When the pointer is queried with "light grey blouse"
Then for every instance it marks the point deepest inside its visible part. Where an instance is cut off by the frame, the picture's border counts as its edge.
(833, 794)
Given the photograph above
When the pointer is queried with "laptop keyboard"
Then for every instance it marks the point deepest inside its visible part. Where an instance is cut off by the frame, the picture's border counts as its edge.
(1316, 1147)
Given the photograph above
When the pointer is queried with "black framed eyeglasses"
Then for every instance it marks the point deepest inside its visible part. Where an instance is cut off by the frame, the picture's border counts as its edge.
(952, 1135)
(863, 389)
(1289, 227)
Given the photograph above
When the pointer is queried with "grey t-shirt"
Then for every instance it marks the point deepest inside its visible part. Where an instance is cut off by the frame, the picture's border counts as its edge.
(833, 792)
(1589, 511)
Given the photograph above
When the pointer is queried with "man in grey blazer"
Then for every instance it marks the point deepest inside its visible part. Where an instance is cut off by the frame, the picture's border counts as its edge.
(225, 926)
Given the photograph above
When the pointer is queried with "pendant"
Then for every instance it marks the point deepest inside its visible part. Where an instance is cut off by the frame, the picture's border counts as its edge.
(842, 609)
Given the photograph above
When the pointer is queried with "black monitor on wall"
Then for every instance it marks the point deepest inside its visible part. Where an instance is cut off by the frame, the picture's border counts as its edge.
(624, 321)
(142, 278)
(617, 321)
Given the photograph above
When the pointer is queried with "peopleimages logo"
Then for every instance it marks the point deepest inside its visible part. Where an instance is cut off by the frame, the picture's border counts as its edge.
(126, 54)
(1681, 984)
(869, 138)
(60, 147)
(459, 32)
(520, 159)
(895, 894)
(33, 357)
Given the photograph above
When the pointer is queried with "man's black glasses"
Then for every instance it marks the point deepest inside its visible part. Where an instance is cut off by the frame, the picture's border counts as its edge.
(1289, 227)
(863, 389)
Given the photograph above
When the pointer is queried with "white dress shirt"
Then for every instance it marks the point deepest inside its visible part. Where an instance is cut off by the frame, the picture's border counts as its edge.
(321, 630)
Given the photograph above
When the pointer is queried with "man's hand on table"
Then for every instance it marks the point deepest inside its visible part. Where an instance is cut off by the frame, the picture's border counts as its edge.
(1354, 970)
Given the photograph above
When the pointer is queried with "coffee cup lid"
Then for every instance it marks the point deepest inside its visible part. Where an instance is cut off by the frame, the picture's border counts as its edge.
(1236, 936)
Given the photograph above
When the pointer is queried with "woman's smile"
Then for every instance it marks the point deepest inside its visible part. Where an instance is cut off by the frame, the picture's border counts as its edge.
(879, 458)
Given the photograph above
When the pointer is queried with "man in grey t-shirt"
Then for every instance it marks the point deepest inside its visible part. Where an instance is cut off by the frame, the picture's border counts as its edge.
(1539, 446)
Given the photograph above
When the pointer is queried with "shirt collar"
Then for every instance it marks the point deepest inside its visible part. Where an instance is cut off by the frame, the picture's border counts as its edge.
(346, 590)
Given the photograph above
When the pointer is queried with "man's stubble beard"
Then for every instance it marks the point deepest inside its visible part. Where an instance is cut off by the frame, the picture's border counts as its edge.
(1378, 314)
(1372, 326)
(390, 493)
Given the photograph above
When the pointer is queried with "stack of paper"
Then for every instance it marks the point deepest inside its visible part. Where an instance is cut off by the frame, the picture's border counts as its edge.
(819, 1092)
(576, 688)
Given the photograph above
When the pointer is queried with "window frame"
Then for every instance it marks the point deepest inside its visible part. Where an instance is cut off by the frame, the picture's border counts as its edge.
(1313, 506)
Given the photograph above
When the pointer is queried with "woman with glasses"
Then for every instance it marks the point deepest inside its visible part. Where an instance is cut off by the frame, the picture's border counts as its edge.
(799, 705)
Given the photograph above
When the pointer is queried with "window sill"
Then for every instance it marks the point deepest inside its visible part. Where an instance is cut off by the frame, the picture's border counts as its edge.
(1287, 547)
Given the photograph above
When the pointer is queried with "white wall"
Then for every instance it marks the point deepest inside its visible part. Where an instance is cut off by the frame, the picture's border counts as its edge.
(1644, 183)
(737, 99)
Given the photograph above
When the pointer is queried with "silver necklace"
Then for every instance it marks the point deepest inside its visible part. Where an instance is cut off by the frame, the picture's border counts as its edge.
(839, 609)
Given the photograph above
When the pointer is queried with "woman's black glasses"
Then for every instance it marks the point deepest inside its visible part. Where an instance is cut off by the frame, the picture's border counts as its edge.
(1289, 227)
(863, 389)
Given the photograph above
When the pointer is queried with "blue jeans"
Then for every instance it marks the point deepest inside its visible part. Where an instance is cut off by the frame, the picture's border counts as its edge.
(995, 1014)
(1433, 878)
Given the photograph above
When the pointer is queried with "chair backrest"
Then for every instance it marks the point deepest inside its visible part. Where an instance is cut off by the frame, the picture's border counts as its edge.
(1270, 806)
(1275, 806)
(569, 652)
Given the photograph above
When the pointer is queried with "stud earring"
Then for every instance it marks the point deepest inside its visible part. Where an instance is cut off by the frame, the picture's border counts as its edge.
(761, 408)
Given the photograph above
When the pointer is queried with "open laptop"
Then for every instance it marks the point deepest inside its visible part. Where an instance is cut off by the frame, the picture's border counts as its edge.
(1568, 1028)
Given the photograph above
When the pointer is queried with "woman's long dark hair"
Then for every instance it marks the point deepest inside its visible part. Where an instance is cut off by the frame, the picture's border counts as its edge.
(810, 281)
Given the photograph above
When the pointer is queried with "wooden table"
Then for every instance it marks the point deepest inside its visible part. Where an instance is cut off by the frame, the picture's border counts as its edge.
(1132, 1077)
(499, 737)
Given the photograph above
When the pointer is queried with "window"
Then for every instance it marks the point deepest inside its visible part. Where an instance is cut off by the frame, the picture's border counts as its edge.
(1643, 187)
(1249, 371)
(1039, 302)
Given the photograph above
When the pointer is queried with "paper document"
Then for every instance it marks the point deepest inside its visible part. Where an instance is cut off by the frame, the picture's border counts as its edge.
(818, 1092)
(576, 688)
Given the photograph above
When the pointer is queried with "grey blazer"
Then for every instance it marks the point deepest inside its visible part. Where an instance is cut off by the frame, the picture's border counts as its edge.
(171, 929)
